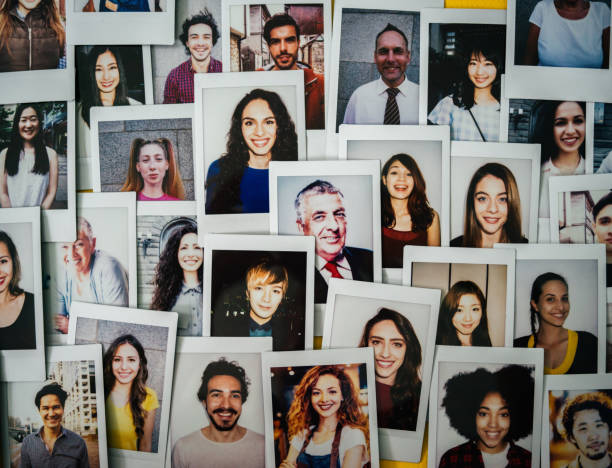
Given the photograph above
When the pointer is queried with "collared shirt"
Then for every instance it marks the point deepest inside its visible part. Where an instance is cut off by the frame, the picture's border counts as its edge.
(341, 262)
(256, 329)
(189, 307)
(179, 84)
(463, 127)
(367, 103)
(69, 451)
(469, 456)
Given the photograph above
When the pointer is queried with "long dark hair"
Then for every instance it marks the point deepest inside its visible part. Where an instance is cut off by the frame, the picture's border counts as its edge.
(536, 292)
(447, 334)
(90, 94)
(421, 213)
(138, 391)
(406, 390)
(232, 164)
(168, 279)
(13, 286)
(41, 157)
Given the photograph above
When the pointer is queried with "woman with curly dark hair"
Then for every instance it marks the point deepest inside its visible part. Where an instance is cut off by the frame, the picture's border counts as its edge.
(178, 280)
(130, 405)
(492, 410)
(407, 218)
(397, 359)
(261, 131)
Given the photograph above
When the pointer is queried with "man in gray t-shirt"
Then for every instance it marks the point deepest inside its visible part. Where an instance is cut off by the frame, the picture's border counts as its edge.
(223, 443)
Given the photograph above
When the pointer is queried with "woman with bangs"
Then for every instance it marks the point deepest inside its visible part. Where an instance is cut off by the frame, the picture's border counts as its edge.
(326, 425)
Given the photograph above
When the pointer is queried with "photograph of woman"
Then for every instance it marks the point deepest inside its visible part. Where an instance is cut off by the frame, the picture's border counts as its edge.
(407, 217)
(17, 330)
(130, 404)
(492, 410)
(325, 423)
(28, 167)
(462, 320)
(397, 362)
(261, 131)
(178, 280)
(153, 171)
(492, 209)
(32, 35)
(565, 351)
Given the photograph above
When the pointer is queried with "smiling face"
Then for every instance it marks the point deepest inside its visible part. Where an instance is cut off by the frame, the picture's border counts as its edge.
(569, 126)
(482, 72)
(492, 423)
(491, 204)
(77, 255)
(399, 181)
(264, 300)
(190, 254)
(26, 6)
(259, 127)
(553, 304)
(199, 41)
(389, 350)
(126, 363)
(223, 402)
(284, 45)
(391, 57)
(591, 434)
(603, 227)
(152, 165)
(326, 396)
(107, 72)
(6, 267)
(51, 411)
(29, 125)
(468, 314)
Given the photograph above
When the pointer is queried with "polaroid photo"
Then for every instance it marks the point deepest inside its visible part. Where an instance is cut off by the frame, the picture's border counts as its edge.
(477, 287)
(99, 267)
(365, 31)
(138, 346)
(208, 372)
(502, 389)
(284, 36)
(545, 46)
(602, 146)
(223, 142)
(144, 149)
(418, 156)
(572, 278)
(120, 22)
(494, 193)
(260, 286)
(22, 347)
(69, 399)
(402, 332)
(45, 175)
(122, 76)
(455, 66)
(321, 383)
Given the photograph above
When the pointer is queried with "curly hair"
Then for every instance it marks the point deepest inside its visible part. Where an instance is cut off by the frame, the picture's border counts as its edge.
(224, 367)
(536, 292)
(447, 333)
(598, 401)
(41, 156)
(138, 391)
(406, 389)
(52, 388)
(202, 17)
(226, 184)
(13, 286)
(168, 279)
(466, 391)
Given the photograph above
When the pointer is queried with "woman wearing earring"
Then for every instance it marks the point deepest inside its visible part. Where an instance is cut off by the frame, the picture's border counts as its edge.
(407, 218)
(153, 171)
(28, 167)
(130, 404)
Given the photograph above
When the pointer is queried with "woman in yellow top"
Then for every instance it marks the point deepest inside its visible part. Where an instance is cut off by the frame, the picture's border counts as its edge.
(130, 405)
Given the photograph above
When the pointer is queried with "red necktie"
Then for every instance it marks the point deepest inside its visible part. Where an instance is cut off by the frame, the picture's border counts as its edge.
(333, 269)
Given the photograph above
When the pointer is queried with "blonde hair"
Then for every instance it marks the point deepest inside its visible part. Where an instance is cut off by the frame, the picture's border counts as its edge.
(266, 272)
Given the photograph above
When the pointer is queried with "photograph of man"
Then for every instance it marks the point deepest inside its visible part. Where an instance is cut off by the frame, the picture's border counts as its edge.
(321, 213)
(52, 444)
(282, 34)
(200, 33)
(392, 99)
(223, 443)
(90, 275)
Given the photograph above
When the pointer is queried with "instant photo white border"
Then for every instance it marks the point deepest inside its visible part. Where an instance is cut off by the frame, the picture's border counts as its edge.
(451, 255)
(129, 458)
(319, 357)
(416, 6)
(574, 252)
(27, 364)
(594, 84)
(169, 208)
(316, 138)
(114, 28)
(256, 243)
(243, 223)
(446, 16)
(394, 444)
(465, 354)
(562, 184)
(496, 150)
(127, 113)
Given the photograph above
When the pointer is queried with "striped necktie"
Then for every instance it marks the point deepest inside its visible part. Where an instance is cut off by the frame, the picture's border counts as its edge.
(392, 115)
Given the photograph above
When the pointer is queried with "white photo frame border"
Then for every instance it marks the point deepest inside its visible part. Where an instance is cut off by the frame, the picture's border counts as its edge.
(169, 208)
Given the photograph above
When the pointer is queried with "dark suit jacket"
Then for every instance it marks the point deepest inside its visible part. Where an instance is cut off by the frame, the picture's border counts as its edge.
(362, 268)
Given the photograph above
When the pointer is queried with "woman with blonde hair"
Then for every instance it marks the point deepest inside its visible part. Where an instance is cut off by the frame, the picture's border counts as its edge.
(153, 171)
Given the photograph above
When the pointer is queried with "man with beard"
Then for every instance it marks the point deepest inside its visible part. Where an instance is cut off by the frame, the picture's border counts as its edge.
(223, 443)
(587, 420)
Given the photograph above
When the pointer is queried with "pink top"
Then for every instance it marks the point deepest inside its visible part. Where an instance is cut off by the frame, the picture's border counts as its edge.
(164, 197)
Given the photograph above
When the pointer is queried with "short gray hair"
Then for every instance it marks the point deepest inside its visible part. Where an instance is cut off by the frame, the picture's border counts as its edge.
(318, 187)
(85, 226)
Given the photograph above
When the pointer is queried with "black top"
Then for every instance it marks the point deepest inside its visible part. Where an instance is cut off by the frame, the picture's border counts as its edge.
(22, 333)
(608, 275)
(458, 242)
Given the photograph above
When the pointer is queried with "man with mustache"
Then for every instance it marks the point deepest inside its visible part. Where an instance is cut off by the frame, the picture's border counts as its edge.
(602, 214)
(223, 443)
(52, 444)
(587, 420)
(392, 99)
